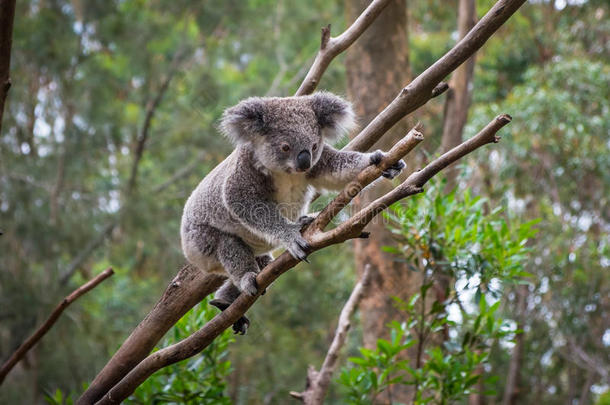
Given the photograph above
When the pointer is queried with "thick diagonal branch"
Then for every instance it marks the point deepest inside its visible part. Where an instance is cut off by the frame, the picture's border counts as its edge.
(45, 327)
(350, 229)
(424, 86)
(318, 381)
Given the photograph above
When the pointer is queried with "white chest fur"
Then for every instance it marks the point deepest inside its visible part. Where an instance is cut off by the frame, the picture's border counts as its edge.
(292, 194)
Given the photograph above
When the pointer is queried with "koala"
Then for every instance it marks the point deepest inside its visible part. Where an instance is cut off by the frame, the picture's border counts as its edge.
(256, 200)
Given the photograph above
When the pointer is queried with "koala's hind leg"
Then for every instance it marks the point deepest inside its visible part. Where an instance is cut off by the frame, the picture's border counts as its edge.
(224, 296)
(238, 261)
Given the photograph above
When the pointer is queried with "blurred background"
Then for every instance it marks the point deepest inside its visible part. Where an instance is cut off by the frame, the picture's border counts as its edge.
(111, 123)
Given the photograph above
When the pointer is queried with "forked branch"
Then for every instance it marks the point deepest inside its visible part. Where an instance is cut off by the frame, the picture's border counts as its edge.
(331, 47)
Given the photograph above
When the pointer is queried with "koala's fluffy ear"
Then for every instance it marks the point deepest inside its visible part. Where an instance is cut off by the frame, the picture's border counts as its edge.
(241, 123)
(335, 115)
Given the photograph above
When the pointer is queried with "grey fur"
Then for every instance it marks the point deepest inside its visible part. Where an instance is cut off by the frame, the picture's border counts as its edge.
(254, 201)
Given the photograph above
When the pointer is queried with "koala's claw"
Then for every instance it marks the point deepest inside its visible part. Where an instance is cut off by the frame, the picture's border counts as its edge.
(376, 157)
(305, 220)
(240, 327)
(390, 172)
(298, 248)
(247, 284)
(394, 170)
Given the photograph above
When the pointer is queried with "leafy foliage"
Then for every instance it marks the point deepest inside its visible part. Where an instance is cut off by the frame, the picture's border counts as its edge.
(444, 236)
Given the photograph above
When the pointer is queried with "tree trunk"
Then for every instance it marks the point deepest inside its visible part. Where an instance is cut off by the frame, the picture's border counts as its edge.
(459, 94)
(378, 64)
(7, 16)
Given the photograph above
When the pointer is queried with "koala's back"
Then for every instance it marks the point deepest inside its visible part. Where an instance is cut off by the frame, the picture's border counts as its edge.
(206, 217)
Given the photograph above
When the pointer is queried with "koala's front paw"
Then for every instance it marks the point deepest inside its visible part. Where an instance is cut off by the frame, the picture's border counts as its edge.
(247, 283)
(376, 157)
(394, 170)
(390, 172)
(298, 247)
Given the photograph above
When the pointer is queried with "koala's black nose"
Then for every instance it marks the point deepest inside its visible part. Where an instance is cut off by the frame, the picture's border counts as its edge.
(303, 160)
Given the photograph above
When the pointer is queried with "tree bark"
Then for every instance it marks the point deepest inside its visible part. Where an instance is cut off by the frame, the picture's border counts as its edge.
(7, 16)
(459, 95)
(375, 63)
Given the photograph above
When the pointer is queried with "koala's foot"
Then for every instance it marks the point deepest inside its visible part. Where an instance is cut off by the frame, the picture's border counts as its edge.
(247, 283)
(305, 220)
(241, 326)
(390, 172)
(298, 246)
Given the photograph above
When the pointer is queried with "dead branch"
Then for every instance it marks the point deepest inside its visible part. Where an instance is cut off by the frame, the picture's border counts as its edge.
(45, 327)
(330, 47)
(422, 88)
(318, 381)
(350, 229)
(7, 16)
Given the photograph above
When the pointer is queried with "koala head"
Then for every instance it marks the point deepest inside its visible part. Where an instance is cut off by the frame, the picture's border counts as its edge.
(287, 134)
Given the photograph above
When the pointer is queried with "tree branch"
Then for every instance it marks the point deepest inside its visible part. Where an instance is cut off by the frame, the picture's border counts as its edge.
(45, 327)
(331, 47)
(366, 177)
(185, 291)
(318, 381)
(420, 90)
(7, 16)
(352, 228)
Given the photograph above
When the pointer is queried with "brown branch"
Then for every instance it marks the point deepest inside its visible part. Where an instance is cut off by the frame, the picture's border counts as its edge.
(366, 177)
(414, 183)
(352, 228)
(330, 47)
(420, 90)
(7, 16)
(318, 381)
(185, 291)
(45, 327)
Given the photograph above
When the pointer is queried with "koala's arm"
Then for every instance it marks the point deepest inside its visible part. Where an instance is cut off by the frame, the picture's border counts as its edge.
(248, 196)
(336, 168)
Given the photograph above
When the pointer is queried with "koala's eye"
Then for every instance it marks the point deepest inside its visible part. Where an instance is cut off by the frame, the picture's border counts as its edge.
(315, 147)
(285, 147)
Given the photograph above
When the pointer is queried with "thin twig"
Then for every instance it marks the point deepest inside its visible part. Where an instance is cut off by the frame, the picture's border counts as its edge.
(45, 327)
